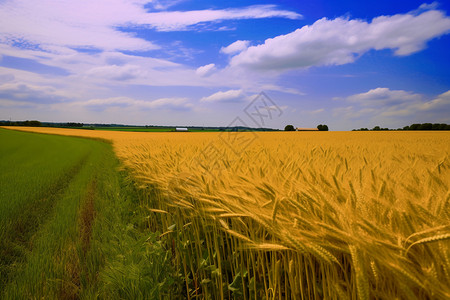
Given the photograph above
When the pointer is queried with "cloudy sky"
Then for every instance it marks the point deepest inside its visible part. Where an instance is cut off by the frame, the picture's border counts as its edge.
(348, 64)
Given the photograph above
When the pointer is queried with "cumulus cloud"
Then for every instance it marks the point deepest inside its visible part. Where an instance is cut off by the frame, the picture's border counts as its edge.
(387, 104)
(341, 41)
(384, 97)
(206, 70)
(227, 96)
(235, 47)
(89, 39)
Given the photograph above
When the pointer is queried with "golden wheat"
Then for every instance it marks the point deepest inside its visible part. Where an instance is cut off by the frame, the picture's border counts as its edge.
(297, 215)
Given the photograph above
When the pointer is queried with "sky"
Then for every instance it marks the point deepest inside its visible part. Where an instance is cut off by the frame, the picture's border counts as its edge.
(347, 64)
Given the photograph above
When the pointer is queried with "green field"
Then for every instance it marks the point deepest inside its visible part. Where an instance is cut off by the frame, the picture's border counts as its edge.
(135, 129)
(151, 129)
(71, 226)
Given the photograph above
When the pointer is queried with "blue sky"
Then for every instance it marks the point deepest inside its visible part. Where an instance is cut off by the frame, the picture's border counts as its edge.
(348, 64)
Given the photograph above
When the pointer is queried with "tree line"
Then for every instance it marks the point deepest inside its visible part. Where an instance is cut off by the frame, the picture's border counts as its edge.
(36, 123)
(428, 126)
(28, 123)
(417, 126)
(321, 127)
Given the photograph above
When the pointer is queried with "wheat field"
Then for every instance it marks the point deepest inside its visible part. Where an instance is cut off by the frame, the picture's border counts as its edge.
(296, 215)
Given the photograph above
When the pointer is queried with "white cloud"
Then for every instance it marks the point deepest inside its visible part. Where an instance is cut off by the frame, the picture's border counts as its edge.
(274, 87)
(341, 41)
(172, 103)
(384, 97)
(441, 103)
(116, 72)
(235, 47)
(127, 102)
(183, 20)
(317, 111)
(206, 70)
(84, 39)
(426, 6)
(228, 96)
(94, 24)
(23, 92)
(90, 72)
(84, 23)
(162, 5)
(395, 107)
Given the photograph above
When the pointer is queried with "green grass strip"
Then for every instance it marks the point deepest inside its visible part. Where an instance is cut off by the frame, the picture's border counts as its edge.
(88, 236)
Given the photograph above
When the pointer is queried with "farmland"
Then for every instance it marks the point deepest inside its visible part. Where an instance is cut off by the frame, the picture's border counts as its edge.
(67, 216)
(289, 215)
(151, 129)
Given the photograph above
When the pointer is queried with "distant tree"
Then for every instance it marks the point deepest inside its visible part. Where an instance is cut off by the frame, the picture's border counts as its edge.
(73, 124)
(426, 126)
(32, 123)
(414, 127)
(441, 126)
(322, 127)
(289, 128)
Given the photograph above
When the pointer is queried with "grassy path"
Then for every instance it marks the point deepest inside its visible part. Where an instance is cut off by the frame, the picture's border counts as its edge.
(70, 224)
